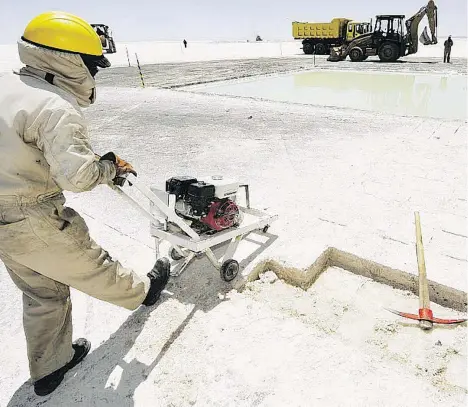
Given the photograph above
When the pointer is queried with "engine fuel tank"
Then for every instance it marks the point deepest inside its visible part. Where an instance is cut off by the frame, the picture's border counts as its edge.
(224, 187)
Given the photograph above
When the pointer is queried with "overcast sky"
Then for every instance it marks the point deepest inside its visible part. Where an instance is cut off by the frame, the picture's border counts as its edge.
(219, 20)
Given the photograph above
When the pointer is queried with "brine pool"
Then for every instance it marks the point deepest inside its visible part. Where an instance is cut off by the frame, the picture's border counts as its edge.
(422, 95)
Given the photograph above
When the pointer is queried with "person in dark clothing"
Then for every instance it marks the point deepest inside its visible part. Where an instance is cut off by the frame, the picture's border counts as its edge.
(185, 43)
(448, 49)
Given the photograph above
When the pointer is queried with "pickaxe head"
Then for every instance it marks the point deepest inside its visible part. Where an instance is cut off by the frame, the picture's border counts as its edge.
(425, 314)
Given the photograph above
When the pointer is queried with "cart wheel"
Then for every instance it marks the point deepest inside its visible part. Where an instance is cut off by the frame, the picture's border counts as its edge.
(175, 254)
(265, 229)
(229, 270)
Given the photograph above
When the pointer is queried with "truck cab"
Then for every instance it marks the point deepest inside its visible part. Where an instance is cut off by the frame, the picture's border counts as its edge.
(356, 29)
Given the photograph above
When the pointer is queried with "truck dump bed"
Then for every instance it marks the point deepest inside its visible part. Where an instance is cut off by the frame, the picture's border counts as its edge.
(335, 29)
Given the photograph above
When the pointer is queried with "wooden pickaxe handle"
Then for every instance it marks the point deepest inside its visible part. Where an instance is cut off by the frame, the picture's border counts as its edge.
(425, 317)
(424, 301)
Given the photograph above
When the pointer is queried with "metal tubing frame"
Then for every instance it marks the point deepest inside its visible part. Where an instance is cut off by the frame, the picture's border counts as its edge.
(180, 268)
(168, 212)
(194, 243)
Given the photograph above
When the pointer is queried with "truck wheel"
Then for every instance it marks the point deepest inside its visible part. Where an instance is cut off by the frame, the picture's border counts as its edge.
(308, 48)
(356, 54)
(388, 52)
(320, 49)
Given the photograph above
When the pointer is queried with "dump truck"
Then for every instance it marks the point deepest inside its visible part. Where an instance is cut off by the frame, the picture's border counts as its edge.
(392, 37)
(320, 37)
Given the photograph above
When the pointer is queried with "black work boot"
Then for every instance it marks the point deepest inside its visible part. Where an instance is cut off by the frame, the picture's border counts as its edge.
(159, 277)
(49, 383)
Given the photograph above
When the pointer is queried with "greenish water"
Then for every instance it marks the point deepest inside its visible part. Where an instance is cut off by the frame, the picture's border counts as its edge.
(420, 95)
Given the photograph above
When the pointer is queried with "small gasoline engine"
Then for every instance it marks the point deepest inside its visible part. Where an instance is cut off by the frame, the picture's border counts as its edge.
(209, 203)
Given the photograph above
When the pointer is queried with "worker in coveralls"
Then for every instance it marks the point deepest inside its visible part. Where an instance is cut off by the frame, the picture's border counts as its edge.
(45, 149)
(448, 44)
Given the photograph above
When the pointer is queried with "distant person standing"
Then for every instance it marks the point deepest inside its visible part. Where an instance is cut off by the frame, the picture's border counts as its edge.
(448, 44)
(185, 43)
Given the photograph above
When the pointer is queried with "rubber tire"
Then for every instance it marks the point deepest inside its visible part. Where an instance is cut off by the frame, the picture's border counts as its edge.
(174, 254)
(388, 52)
(320, 49)
(265, 228)
(229, 270)
(356, 54)
(308, 48)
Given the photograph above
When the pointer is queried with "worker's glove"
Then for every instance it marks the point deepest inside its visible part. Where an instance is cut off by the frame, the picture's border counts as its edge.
(122, 167)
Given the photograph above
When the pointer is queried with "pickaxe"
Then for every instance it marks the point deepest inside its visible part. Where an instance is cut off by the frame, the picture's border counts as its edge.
(426, 318)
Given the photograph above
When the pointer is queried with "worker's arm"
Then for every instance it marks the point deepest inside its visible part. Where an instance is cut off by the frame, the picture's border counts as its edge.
(63, 139)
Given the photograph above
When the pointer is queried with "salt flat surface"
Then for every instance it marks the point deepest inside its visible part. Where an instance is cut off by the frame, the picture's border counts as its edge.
(272, 345)
(177, 75)
(336, 177)
(356, 177)
(151, 52)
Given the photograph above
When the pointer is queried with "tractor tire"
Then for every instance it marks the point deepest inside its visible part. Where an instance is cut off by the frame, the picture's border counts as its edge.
(320, 49)
(388, 52)
(356, 54)
(308, 48)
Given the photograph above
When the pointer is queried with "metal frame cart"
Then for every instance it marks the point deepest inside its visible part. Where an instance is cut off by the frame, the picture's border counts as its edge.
(186, 242)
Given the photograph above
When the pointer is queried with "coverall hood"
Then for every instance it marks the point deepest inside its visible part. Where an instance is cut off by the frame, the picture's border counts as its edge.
(63, 69)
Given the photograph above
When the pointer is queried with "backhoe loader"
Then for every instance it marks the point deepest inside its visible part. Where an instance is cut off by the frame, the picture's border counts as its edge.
(107, 40)
(389, 40)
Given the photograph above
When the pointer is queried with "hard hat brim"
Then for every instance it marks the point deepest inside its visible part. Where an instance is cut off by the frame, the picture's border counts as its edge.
(99, 60)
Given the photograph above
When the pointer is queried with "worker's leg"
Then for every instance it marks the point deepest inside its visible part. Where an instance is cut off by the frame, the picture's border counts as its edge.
(54, 241)
(46, 319)
(445, 55)
(448, 55)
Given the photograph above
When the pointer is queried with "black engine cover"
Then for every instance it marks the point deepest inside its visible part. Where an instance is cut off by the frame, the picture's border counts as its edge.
(179, 185)
(200, 195)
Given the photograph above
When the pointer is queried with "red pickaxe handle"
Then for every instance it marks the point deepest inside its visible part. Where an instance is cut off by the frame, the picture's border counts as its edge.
(426, 315)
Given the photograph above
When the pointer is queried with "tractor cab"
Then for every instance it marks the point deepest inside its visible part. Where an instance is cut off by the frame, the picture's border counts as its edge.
(389, 31)
(107, 40)
(389, 27)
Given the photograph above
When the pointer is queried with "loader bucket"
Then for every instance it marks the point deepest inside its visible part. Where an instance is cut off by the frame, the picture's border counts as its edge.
(424, 37)
(336, 54)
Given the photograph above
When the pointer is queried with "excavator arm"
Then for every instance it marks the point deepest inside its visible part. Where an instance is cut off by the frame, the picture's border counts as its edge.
(412, 25)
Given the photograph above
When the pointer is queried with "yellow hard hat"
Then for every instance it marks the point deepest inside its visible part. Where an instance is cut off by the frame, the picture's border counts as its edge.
(63, 31)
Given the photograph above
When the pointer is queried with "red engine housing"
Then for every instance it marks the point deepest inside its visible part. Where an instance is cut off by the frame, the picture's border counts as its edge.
(222, 214)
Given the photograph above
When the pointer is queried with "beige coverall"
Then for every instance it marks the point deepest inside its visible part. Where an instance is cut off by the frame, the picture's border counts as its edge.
(45, 246)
